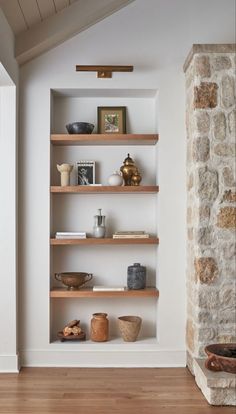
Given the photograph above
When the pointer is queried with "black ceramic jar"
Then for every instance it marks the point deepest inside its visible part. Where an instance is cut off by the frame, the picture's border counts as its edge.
(136, 276)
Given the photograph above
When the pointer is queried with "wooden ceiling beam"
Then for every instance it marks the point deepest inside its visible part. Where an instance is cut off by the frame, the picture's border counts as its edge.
(67, 23)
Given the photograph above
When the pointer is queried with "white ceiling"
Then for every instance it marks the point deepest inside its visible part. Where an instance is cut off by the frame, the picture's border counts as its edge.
(39, 25)
(23, 14)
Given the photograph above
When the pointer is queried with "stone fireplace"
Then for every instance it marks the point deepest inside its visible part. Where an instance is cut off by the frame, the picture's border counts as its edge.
(211, 209)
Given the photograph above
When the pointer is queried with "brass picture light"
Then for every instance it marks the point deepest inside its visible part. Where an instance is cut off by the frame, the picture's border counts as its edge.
(103, 71)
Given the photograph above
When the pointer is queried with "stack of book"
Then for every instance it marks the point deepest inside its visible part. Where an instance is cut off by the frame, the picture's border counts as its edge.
(130, 235)
(70, 235)
(101, 288)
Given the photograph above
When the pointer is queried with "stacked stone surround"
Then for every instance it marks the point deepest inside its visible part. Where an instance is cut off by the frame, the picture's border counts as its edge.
(211, 197)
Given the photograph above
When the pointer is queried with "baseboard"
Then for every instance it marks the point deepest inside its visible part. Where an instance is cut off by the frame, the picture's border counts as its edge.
(9, 363)
(103, 359)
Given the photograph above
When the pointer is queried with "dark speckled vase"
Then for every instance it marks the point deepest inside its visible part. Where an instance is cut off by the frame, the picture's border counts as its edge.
(136, 277)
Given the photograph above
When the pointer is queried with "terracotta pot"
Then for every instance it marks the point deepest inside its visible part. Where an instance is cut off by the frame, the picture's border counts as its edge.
(99, 327)
(129, 327)
(221, 357)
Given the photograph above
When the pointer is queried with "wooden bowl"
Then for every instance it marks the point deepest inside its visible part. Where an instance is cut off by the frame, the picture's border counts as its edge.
(221, 357)
(73, 280)
(80, 337)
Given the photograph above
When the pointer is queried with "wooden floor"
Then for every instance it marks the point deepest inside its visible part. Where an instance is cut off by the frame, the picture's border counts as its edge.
(103, 391)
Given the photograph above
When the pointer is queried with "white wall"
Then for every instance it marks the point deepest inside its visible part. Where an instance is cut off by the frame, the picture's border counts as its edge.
(155, 36)
(8, 201)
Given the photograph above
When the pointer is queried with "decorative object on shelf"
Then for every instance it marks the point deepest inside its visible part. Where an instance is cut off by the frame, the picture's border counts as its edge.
(104, 71)
(65, 170)
(221, 357)
(129, 327)
(129, 170)
(115, 179)
(86, 172)
(72, 331)
(136, 178)
(73, 280)
(100, 288)
(99, 229)
(111, 120)
(80, 337)
(70, 235)
(130, 235)
(136, 276)
(99, 327)
(80, 128)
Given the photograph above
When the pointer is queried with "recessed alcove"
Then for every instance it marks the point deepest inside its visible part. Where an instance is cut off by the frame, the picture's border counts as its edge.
(124, 211)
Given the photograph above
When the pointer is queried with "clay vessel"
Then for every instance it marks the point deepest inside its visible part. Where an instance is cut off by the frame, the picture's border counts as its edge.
(99, 327)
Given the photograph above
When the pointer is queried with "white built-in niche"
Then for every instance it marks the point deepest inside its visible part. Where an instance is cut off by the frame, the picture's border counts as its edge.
(71, 212)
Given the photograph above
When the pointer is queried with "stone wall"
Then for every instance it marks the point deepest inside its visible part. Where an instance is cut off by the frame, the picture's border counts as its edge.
(211, 188)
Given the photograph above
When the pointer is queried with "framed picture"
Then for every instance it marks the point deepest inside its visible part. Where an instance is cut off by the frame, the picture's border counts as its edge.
(86, 172)
(111, 120)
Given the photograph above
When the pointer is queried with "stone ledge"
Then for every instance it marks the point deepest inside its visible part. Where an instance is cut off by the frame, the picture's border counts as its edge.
(219, 388)
(208, 48)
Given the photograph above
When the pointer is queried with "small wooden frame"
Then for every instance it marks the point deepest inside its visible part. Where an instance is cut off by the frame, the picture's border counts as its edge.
(103, 71)
(111, 119)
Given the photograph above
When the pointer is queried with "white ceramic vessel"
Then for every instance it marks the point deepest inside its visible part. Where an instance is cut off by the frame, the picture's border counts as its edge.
(65, 170)
(115, 179)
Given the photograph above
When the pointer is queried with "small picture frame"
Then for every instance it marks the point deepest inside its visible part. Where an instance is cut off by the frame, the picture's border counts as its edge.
(111, 120)
(86, 172)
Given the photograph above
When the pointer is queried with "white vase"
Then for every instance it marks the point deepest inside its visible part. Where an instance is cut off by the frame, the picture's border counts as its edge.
(115, 179)
(65, 170)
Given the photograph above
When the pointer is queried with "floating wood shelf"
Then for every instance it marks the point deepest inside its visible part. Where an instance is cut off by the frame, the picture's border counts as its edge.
(104, 139)
(105, 189)
(108, 241)
(89, 293)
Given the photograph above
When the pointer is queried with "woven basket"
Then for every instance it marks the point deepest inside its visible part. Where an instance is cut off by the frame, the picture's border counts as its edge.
(129, 327)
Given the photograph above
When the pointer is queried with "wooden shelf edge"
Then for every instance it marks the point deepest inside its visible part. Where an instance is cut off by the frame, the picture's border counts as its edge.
(89, 293)
(106, 189)
(106, 241)
(104, 139)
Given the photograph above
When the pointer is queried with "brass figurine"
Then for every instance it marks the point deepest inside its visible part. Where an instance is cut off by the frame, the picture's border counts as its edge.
(136, 178)
(130, 172)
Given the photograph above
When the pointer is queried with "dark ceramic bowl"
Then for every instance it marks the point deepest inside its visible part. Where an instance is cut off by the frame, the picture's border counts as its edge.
(221, 357)
(80, 128)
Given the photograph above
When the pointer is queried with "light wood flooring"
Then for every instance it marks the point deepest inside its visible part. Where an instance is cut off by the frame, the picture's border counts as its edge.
(103, 391)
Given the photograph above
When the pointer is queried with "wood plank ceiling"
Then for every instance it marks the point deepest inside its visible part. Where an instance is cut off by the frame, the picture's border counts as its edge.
(40, 25)
(23, 14)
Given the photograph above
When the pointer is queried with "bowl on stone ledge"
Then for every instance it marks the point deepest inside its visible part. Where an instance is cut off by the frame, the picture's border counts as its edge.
(221, 357)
